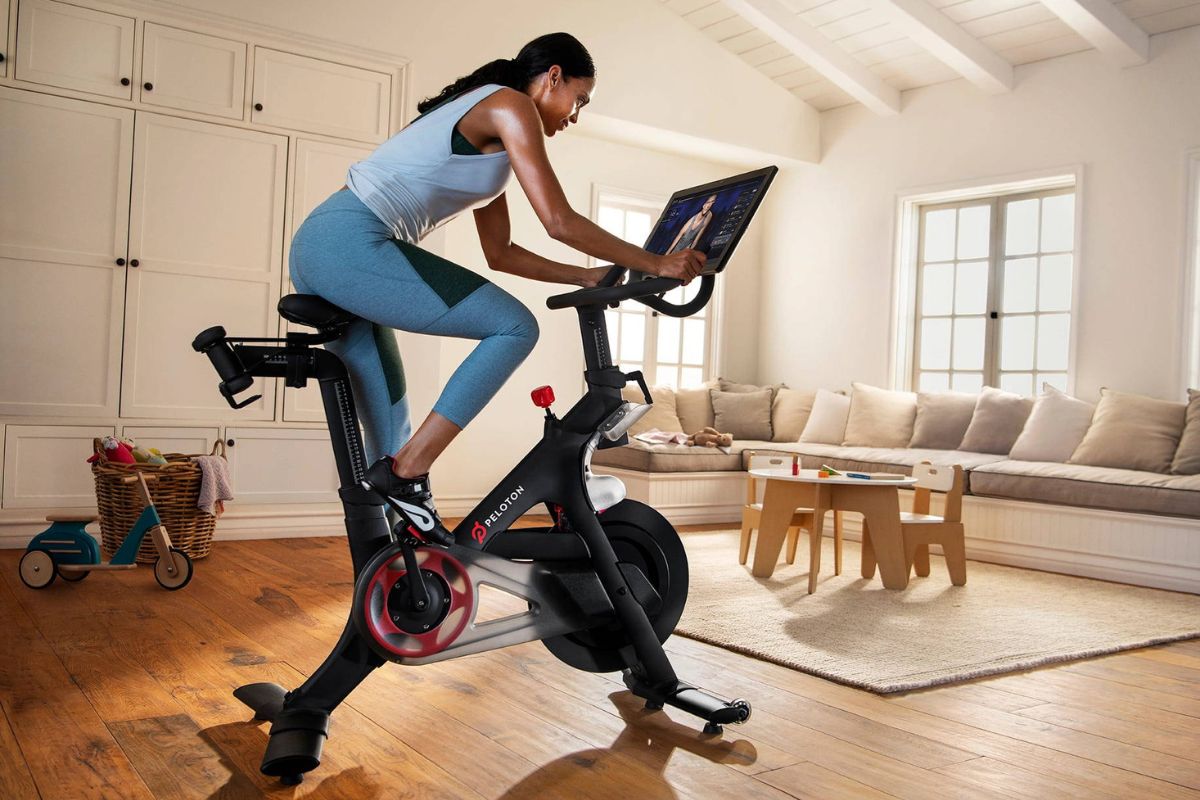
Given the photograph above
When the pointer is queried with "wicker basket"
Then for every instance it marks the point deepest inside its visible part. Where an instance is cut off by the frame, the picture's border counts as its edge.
(175, 493)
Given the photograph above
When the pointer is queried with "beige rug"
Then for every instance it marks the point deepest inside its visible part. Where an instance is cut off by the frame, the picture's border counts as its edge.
(854, 631)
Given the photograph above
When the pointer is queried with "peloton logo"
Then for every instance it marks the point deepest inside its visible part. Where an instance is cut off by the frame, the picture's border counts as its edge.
(478, 532)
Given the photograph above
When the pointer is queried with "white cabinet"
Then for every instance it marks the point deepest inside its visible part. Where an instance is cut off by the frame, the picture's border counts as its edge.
(189, 441)
(64, 219)
(46, 466)
(320, 170)
(193, 71)
(206, 234)
(309, 94)
(75, 48)
(281, 465)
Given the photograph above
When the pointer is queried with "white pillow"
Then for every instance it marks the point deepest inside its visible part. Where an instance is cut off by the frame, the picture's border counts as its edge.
(827, 422)
(1054, 429)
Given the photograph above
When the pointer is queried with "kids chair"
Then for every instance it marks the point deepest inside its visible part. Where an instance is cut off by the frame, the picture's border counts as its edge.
(801, 517)
(921, 529)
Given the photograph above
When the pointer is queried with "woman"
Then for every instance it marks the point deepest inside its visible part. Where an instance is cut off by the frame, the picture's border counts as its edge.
(689, 235)
(358, 250)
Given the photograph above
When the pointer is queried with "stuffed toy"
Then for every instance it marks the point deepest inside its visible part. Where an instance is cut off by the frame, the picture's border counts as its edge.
(710, 437)
(115, 450)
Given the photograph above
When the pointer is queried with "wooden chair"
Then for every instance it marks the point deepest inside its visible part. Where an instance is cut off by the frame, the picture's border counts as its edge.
(801, 517)
(921, 529)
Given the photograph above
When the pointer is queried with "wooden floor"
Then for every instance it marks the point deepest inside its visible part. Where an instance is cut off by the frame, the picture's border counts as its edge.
(114, 688)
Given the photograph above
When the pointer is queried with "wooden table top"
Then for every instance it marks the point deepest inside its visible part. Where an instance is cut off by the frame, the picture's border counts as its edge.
(811, 476)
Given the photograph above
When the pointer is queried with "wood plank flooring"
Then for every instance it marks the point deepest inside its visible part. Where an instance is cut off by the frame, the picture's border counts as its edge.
(115, 688)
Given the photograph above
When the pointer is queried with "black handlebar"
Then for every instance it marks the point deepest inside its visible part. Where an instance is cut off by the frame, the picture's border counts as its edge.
(644, 291)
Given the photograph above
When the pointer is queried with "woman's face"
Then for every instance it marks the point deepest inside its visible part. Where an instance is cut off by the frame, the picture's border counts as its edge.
(708, 204)
(559, 99)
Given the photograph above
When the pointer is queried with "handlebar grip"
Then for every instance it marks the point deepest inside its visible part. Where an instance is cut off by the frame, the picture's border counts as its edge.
(212, 343)
(612, 276)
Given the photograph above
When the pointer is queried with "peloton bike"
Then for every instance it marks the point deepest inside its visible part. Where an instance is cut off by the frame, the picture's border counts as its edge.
(605, 584)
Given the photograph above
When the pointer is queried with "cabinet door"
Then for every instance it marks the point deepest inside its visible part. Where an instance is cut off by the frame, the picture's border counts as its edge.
(206, 230)
(75, 48)
(190, 441)
(308, 94)
(320, 170)
(194, 71)
(64, 217)
(45, 466)
(278, 465)
(4, 54)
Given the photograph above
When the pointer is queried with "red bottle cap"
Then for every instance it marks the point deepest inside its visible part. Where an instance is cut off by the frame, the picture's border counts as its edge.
(542, 396)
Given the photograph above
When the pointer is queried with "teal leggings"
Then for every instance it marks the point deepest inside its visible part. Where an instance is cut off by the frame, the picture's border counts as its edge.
(345, 254)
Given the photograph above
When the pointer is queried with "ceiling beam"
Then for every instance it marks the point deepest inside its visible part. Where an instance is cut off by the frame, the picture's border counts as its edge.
(1106, 27)
(819, 52)
(949, 43)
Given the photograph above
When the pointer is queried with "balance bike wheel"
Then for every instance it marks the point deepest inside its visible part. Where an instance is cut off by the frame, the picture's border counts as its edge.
(73, 576)
(37, 569)
(642, 537)
(173, 572)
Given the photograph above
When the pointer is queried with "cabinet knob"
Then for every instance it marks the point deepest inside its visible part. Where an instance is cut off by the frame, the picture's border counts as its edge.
(133, 262)
(120, 262)
(258, 106)
(148, 86)
(230, 442)
(1, 58)
(124, 81)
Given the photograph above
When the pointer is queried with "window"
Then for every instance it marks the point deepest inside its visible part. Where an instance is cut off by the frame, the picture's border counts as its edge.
(993, 292)
(1191, 350)
(668, 350)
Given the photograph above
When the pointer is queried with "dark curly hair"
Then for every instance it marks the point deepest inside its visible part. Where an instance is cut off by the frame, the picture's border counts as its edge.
(535, 58)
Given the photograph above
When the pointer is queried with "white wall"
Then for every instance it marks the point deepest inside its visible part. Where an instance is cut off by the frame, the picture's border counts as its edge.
(828, 241)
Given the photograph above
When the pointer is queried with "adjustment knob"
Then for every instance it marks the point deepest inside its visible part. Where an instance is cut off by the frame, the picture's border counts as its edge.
(542, 396)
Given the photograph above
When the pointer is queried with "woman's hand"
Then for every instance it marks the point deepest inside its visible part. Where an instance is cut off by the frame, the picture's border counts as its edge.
(592, 275)
(683, 265)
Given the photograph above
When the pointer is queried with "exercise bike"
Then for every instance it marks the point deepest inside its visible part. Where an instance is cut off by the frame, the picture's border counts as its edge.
(605, 584)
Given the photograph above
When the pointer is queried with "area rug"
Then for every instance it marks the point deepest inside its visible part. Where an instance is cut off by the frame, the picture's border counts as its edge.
(855, 632)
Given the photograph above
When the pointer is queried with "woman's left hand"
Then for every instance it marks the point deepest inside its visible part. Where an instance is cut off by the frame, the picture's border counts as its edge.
(592, 276)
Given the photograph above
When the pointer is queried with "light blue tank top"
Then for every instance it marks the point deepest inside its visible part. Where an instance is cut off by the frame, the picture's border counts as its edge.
(414, 182)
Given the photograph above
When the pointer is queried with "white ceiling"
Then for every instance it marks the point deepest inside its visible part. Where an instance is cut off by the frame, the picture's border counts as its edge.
(1020, 31)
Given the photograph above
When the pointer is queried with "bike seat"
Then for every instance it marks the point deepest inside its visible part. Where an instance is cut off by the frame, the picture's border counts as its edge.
(314, 311)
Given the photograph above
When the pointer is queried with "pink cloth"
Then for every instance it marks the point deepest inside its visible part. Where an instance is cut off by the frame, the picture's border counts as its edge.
(655, 436)
(215, 486)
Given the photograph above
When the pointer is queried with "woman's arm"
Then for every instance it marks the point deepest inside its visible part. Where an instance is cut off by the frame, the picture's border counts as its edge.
(504, 256)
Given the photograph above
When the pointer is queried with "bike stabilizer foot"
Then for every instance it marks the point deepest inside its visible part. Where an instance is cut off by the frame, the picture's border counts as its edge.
(297, 735)
(713, 710)
(264, 699)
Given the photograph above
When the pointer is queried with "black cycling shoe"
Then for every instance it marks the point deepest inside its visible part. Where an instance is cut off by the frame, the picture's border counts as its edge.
(411, 499)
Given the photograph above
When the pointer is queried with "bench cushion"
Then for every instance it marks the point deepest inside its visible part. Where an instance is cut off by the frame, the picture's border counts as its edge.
(647, 457)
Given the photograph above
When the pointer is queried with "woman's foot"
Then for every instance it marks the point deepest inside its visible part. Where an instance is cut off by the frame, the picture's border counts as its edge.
(411, 499)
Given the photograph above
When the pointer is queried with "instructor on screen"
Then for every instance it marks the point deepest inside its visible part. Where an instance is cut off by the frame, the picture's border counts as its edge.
(694, 228)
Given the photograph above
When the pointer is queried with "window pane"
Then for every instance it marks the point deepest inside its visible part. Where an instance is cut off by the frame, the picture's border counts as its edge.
(1054, 331)
(637, 227)
(693, 340)
(934, 382)
(690, 377)
(668, 375)
(971, 382)
(974, 225)
(668, 338)
(1056, 379)
(1055, 277)
(970, 290)
(1017, 382)
(1016, 343)
(968, 343)
(633, 332)
(1058, 223)
(689, 293)
(675, 296)
(939, 235)
(935, 344)
(1020, 285)
(1021, 227)
(937, 290)
(628, 366)
(612, 220)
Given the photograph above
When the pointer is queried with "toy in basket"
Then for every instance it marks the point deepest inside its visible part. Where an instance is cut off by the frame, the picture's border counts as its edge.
(66, 549)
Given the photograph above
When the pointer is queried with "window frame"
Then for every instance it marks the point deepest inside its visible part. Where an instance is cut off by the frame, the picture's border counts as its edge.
(1189, 370)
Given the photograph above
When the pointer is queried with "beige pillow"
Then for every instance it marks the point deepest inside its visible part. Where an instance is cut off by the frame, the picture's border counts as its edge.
(1054, 429)
(879, 417)
(827, 422)
(1131, 431)
(727, 385)
(997, 422)
(747, 415)
(942, 419)
(1187, 457)
(789, 414)
(694, 407)
(661, 415)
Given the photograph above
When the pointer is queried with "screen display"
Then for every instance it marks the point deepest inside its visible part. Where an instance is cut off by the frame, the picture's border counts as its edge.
(705, 221)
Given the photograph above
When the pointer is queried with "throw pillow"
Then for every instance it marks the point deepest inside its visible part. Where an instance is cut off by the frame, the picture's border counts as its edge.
(942, 419)
(661, 415)
(727, 385)
(1131, 431)
(747, 415)
(879, 417)
(1055, 427)
(694, 407)
(997, 422)
(827, 422)
(1187, 457)
(789, 414)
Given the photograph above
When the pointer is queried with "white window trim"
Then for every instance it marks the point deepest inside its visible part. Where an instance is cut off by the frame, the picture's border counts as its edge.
(1189, 372)
(904, 271)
